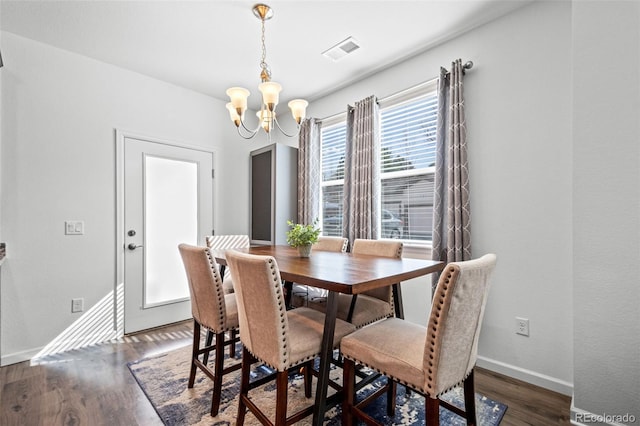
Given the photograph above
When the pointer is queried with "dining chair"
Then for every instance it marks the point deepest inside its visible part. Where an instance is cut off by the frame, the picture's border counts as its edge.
(303, 294)
(372, 305)
(328, 243)
(376, 304)
(222, 242)
(430, 360)
(212, 310)
(279, 338)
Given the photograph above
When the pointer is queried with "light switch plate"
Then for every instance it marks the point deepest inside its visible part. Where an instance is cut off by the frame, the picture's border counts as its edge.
(77, 305)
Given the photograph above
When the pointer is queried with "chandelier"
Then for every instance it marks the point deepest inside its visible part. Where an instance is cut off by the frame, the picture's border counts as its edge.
(270, 93)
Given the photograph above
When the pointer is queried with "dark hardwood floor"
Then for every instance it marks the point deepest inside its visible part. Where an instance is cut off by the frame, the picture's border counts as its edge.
(93, 386)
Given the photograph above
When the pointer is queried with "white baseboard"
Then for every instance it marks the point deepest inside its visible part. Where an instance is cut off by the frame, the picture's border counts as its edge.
(17, 357)
(542, 380)
(60, 345)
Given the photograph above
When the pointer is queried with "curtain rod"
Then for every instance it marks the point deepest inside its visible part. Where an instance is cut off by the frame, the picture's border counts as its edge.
(467, 66)
(386, 98)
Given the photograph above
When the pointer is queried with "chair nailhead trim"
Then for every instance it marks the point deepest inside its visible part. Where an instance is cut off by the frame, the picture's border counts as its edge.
(442, 299)
(219, 291)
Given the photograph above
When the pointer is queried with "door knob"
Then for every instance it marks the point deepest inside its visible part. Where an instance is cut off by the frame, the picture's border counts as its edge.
(133, 246)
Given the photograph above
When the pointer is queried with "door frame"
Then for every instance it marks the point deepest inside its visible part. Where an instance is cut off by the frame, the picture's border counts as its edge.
(120, 250)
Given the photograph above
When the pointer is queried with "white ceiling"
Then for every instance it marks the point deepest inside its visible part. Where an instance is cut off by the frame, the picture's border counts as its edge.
(208, 46)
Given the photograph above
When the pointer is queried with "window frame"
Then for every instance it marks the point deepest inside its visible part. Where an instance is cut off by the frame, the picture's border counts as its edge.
(407, 96)
(327, 123)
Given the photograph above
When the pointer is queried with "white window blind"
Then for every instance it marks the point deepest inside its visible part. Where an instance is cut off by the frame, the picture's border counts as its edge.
(407, 150)
(333, 151)
(407, 164)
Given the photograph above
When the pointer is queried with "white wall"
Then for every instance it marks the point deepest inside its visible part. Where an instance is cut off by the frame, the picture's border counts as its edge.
(606, 215)
(59, 115)
(518, 100)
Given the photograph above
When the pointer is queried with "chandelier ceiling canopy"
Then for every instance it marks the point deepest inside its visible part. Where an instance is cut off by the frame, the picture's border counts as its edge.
(270, 91)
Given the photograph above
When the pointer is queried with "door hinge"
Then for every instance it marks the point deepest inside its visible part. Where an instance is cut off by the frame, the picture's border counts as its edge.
(213, 174)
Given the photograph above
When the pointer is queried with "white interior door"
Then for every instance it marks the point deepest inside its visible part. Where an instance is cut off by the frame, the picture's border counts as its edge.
(168, 200)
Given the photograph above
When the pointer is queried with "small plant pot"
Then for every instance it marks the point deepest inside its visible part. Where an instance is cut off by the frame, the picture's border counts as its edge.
(305, 251)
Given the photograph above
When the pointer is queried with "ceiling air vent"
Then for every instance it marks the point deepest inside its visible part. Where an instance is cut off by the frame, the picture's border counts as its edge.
(342, 49)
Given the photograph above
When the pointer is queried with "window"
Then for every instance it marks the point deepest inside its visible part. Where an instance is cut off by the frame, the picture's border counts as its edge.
(334, 141)
(408, 156)
(407, 162)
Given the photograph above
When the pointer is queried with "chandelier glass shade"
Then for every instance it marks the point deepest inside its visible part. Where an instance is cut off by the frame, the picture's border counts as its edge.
(270, 91)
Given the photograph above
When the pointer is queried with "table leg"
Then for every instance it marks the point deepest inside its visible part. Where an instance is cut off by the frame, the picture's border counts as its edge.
(288, 293)
(399, 308)
(222, 268)
(326, 354)
(397, 300)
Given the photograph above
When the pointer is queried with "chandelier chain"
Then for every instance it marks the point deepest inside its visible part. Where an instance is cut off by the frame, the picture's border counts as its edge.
(266, 72)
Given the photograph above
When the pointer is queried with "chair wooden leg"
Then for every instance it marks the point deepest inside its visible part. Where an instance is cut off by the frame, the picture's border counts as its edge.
(391, 397)
(217, 379)
(469, 400)
(306, 371)
(194, 353)
(209, 340)
(244, 386)
(432, 411)
(348, 387)
(232, 346)
(282, 384)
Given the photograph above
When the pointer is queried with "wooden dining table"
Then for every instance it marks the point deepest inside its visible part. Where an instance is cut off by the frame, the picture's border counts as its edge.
(346, 273)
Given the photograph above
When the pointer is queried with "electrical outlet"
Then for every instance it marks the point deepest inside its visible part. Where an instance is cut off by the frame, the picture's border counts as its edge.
(522, 326)
(77, 305)
(74, 227)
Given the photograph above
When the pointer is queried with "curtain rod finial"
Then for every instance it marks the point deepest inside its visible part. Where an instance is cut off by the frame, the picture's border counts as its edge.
(468, 65)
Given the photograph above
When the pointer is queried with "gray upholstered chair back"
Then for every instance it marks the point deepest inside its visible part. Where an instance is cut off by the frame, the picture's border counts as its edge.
(205, 287)
(381, 248)
(451, 348)
(338, 244)
(264, 328)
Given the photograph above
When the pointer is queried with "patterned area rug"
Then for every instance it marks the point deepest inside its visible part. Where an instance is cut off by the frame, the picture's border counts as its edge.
(163, 378)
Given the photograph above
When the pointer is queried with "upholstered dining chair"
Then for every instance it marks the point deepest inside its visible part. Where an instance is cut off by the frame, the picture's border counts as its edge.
(270, 334)
(303, 294)
(375, 304)
(212, 310)
(370, 306)
(223, 242)
(328, 243)
(430, 360)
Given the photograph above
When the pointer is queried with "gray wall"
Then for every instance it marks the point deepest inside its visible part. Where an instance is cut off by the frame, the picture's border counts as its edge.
(518, 103)
(606, 208)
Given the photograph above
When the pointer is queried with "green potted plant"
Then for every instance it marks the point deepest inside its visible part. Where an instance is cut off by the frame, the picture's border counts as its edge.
(303, 236)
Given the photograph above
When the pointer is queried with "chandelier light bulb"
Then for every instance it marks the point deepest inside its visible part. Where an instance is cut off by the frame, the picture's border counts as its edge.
(298, 109)
(270, 94)
(266, 118)
(238, 97)
(233, 114)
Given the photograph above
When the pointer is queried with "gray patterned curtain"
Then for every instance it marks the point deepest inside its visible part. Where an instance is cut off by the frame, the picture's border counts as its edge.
(361, 174)
(309, 171)
(451, 215)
